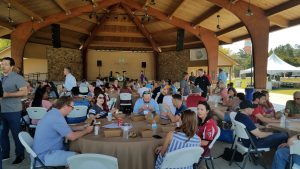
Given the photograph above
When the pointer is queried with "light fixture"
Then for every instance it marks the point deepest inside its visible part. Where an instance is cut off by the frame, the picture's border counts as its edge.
(32, 21)
(218, 19)
(10, 20)
(249, 11)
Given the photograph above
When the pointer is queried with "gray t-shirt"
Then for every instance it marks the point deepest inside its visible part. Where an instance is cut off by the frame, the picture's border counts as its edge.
(12, 83)
(185, 88)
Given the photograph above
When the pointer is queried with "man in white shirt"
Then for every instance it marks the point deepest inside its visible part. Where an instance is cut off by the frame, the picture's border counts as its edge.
(143, 89)
(70, 80)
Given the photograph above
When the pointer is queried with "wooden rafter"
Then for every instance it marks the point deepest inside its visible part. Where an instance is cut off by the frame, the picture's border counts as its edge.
(176, 9)
(86, 18)
(6, 25)
(18, 5)
(230, 28)
(120, 34)
(4, 32)
(62, 5)
(119, 44)
(96, 28)
(211, 11)
(233, 1)
(74, 28)
(164, 31)
(48, 35)
(142, 28)
(282, 7)
(279, 20)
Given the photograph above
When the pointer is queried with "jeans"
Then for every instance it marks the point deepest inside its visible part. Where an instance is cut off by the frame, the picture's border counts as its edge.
(281, 158)
(11, 121)
(272, 141)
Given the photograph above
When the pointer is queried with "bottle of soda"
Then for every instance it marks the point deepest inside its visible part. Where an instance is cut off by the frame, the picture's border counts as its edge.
(154, 127)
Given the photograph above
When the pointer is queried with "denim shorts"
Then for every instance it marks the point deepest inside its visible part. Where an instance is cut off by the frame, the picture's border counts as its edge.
(57, 157)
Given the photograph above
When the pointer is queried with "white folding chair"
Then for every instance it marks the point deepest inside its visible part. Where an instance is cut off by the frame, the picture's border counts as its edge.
(27, 142)
(36, 113)
(182, 158)
(194, 109)
(92, 161)
(294, 150)
(242, 133)
(232, 119)
(125, 99)
(78, 111)
(208, 156)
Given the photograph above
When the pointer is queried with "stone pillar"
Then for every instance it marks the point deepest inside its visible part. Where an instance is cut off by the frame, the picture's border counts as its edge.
(258, 28)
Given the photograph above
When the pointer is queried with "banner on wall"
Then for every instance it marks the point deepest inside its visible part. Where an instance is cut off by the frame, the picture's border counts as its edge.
(198, 54)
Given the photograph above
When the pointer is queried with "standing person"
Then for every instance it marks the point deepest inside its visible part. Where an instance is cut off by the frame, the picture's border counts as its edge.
(142, 77)
(192, 78)
(70, 81)
(184, 85)
(202, 82)
(222, 77)
(14, 88)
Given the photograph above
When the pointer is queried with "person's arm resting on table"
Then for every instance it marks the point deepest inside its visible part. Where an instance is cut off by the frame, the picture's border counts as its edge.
(75, 135)
(256, 132)
(265, 120)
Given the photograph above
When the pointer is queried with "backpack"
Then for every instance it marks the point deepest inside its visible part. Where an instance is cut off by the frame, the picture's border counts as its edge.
(238, 157)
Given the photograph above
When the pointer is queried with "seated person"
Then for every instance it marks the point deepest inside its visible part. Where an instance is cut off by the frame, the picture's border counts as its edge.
(143, 89)
(180, 107)
(51, 131)
(116, 86)
(183, 137)
(160, 96)
(100, 108)
(268, 106)
(78, 101)
(156, 89)
(146, 104)
(40, 100)
(282, 155)
(125, 88)
(260, 139)
(232, 102)
(194, 98)
(168, 103)
(223, 93)
(292, 107)
(207, 128)
(259, 115)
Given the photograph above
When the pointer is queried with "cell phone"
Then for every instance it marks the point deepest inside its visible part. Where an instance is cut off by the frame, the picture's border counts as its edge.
(157, 136)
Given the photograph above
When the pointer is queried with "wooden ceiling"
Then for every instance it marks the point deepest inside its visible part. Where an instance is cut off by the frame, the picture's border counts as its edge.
(119, 27)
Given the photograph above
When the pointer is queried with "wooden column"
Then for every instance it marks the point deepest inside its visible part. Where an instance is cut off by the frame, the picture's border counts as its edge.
(258, 28)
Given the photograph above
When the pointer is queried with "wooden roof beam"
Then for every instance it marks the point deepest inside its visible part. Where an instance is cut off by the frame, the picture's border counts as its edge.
(279, 20)
(282, 7)
(96, 28)
(119, 44)
(233, 1)
(176, 9)
(4, 32)
(142, 28)
(6, 25)
(74, 28)
(164, 31)
(225, 39)
(62, 5)
(295, 22)
(230, 28)
(18, 5)
(87, 18)
(211, 11)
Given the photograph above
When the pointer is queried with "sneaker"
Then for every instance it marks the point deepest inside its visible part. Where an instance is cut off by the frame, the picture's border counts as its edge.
(5, 158)
(19, 159)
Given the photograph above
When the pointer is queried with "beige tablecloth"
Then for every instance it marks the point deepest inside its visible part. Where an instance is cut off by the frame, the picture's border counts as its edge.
(293, 127)
(134, 153)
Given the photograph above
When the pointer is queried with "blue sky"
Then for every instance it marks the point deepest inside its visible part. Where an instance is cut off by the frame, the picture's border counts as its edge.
(289, 35)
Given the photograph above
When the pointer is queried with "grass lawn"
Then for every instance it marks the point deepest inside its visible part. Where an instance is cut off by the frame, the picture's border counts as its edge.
(288, 91)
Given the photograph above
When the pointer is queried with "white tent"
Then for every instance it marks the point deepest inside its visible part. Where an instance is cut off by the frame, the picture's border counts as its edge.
(275, 65)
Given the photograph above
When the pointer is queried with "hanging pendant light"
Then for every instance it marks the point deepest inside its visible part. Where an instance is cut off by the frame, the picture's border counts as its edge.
(249, 11)
(218, 19)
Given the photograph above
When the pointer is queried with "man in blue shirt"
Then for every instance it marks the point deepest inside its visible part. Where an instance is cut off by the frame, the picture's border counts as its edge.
(260, 139)
(51, 131)
(180, 107)
(70, 80)
(146, 104)
(222, 77)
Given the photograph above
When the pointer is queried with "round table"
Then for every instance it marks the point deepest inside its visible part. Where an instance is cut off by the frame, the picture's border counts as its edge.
(132, 153)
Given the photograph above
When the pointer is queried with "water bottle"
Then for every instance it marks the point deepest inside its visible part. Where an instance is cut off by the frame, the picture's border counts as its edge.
(154, 127)
(283, 121)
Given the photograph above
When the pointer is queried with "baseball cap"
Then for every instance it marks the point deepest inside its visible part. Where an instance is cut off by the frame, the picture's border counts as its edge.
(246, 104)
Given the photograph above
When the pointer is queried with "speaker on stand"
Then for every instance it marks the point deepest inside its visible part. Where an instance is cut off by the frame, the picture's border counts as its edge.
(55, 28)
(180, 40)
(99, 64)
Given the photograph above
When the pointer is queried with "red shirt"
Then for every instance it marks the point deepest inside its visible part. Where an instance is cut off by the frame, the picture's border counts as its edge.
(258, 110)
(194, 99)
(207, 132)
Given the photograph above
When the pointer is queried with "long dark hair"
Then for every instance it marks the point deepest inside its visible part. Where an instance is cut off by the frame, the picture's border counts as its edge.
(209, 115)
(38, 96)
(104, 105)
(189, 123)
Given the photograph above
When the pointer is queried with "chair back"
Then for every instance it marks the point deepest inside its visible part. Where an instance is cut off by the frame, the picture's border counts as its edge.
(125, 96)
(111, 102)
(194, 109)
(215, 139)
(295, 147)
(92, 161)
(78, 111)
(83, 89)
(27, 142)
(182, 158)
(240, 130)
(36, 112)
(232, 116)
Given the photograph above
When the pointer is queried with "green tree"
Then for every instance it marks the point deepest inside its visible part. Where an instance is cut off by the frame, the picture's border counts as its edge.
(4, 43)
